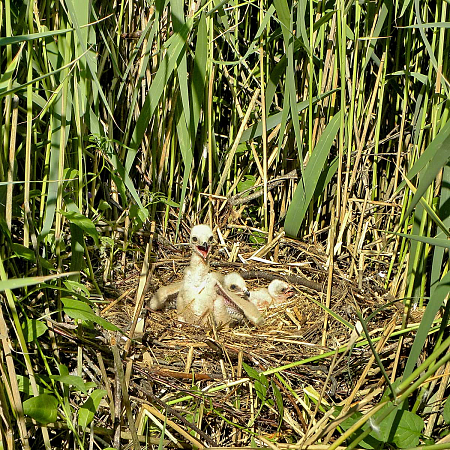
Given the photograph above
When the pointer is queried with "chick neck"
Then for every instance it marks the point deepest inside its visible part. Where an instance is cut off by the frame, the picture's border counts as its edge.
(272, 290)
(198, 264)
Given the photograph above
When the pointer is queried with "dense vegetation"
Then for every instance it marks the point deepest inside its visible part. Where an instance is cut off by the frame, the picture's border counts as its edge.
(119, 116)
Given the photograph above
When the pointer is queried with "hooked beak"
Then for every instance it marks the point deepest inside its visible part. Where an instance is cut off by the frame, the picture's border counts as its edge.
(203, 250)
(246, 293)
(289, 293)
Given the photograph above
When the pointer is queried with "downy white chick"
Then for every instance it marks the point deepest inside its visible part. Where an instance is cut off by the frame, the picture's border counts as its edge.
(233, 282)
(277, 292)
(225, 311)
(196, 297)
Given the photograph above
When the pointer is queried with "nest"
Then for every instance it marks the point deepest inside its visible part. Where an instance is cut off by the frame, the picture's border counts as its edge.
(232, 385)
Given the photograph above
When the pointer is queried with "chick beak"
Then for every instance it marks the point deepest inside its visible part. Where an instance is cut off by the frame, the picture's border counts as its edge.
(289, 293)
(204, 250)
(246, 293)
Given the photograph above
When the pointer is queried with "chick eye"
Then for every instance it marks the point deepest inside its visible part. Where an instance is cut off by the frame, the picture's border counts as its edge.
(283, 291)
(233, 287)
(211, 239)
(194, 239)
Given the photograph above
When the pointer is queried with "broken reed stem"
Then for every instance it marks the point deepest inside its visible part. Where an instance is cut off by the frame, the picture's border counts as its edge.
(330, 277)
(122, 393)
(232, 152)
(11, 160)
(263, 115)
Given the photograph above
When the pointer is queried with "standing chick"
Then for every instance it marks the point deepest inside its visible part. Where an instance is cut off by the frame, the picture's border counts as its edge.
(196, 297)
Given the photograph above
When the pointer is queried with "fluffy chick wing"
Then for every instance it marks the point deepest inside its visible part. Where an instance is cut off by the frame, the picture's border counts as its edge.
(164, 295)
(249, 309)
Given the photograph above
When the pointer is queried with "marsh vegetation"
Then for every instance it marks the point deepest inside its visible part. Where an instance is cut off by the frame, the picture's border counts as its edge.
(314, 137)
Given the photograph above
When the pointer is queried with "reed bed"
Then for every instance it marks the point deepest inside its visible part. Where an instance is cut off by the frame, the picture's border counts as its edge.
(313, 133)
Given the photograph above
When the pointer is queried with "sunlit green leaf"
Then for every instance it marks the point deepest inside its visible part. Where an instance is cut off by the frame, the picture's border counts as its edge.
(311, 174)
(43, 408)
(7, 75)
(409, 429)
(71, 380)
(278, 399)
(31, 37)
(23, 252)
(89, 408)
(433, 159)
(436, 300)
(246, 182)
(33, 328)
(251, 372)
(24, 385)
(80, 310)
(82, 222)
(15, 283)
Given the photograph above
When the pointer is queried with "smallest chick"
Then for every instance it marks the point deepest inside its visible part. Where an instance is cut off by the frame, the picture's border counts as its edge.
(277, 292)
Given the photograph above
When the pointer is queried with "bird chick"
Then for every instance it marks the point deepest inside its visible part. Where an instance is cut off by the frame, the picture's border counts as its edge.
(197, 292)
(226, 311)
(233, 282)
(277, 292)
